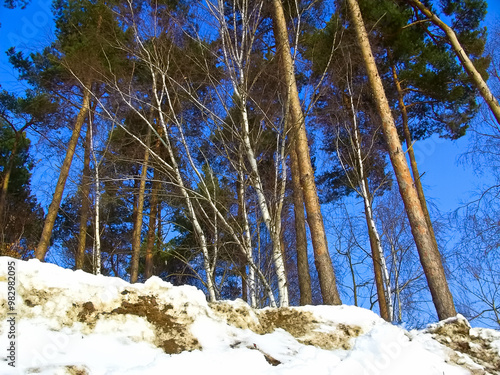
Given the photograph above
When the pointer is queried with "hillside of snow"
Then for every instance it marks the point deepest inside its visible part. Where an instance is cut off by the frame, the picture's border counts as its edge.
(71, 322)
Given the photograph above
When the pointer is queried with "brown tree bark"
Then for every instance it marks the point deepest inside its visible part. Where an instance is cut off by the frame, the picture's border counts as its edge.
(323, 261)
(136, 235)
(429, 254)
(411, 154)
(304, 275)
(50, 219)
(84, 212)
(159, 229)
(148, 272)
(467, 64)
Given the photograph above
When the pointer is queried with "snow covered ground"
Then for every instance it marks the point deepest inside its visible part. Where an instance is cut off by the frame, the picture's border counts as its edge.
(71, 322)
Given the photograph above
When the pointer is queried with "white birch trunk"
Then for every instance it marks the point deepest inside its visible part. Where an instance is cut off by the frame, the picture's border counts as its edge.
(369, 210)
(252, 294)
(96, 248)
(191, 212)
(273, 225)
(235, 57)
(397, 297)
(158, 66)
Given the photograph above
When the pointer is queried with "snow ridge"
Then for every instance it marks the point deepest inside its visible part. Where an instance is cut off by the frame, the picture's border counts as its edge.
(71, 322)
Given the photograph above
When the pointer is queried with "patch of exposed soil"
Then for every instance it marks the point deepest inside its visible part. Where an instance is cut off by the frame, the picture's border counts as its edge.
(242, 317)
(295, 322)
(305, 328)
(77, 370)
(171, 326)
(338, 339)
(300, 324)
(36, 297)
(456, 335)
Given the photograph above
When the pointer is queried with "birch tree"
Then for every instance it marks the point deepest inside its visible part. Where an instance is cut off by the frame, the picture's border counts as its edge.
(382, 279)
(237, 46)
(170, 87)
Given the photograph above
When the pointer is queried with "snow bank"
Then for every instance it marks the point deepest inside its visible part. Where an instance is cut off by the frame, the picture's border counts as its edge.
(71, 322)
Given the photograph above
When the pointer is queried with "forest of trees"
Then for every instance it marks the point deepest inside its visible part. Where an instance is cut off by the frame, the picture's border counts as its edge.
(261, 150)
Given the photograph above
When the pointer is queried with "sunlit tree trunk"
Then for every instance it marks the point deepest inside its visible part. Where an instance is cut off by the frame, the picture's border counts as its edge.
(323, 261)
(174, 166)
(303, 272)
(272, 223)
(148, 272)
(397, 291)
(136, 236)
(361, 186)
(50, 219)
(429, 254)
(411, 154)
(84, 211)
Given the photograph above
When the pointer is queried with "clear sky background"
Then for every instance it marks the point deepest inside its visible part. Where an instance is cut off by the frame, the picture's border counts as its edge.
(448, 183)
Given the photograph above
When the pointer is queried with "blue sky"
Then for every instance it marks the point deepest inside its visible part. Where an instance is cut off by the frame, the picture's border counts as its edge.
(448, 183)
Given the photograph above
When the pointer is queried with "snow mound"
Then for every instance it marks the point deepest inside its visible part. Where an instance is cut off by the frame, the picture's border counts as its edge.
(71, 322)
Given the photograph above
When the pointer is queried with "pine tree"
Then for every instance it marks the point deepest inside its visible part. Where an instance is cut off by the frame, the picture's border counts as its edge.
(429, 254)
(20, 223)
(478, 9)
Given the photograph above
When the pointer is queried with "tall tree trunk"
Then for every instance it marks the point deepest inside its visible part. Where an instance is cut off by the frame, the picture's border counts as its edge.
(411, 154)
(241, 259)
(397, 291)
(381, 278)
(84, 211)
(467, 64)
(97, 207)
(323, 261)
(429, 254)
(159, 229)
(272, 222)
(304, 275)
(191, 212)
(247, 280)
(153, 214)
(379, 266)
(148, 272)
(50, 219)
(136, 236)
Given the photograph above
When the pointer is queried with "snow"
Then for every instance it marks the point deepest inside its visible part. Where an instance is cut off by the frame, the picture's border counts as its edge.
(71, 322)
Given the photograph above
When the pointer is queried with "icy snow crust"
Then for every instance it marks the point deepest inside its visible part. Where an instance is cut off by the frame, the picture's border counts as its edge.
(71, 322)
